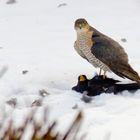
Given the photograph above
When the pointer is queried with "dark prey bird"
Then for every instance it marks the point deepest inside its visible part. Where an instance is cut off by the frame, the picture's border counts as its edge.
(102, 51)
(82, 84)
(97, 86)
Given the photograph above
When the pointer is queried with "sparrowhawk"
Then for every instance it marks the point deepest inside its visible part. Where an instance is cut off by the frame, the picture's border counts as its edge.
(102, 51)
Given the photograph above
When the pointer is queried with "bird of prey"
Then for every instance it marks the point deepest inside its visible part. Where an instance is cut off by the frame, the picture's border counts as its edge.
(102, 51)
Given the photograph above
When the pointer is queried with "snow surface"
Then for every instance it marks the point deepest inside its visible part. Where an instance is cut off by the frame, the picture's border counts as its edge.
(38, 36)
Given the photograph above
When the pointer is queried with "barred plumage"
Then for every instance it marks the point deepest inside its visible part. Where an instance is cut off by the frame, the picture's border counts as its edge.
(82, 48)
(102, 51)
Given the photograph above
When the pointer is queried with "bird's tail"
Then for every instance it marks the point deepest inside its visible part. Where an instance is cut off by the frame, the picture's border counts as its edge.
(128, 72)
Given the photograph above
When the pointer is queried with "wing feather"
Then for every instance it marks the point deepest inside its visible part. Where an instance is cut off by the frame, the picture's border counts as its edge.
(110, 53)
(113, 55)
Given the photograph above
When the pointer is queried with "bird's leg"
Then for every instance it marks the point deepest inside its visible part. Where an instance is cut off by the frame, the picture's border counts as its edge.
(104, 76)
(100, 72)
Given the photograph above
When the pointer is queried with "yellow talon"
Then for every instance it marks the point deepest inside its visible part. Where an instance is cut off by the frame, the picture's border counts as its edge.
(104, 76)
(100, 72)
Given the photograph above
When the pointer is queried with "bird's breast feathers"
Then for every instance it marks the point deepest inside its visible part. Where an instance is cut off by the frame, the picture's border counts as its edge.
(85, 39)
(83, 46)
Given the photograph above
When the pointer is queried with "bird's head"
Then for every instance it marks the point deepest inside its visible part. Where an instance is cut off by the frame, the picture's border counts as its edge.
(81, 25)
(82, 78)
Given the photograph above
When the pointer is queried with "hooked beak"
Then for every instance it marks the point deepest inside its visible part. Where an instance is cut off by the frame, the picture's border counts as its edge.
(80, 26)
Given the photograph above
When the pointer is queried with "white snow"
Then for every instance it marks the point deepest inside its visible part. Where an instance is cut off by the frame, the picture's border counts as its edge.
(38, 36)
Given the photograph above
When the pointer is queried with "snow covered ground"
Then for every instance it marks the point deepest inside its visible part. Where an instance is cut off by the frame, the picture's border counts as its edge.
(37, 36)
